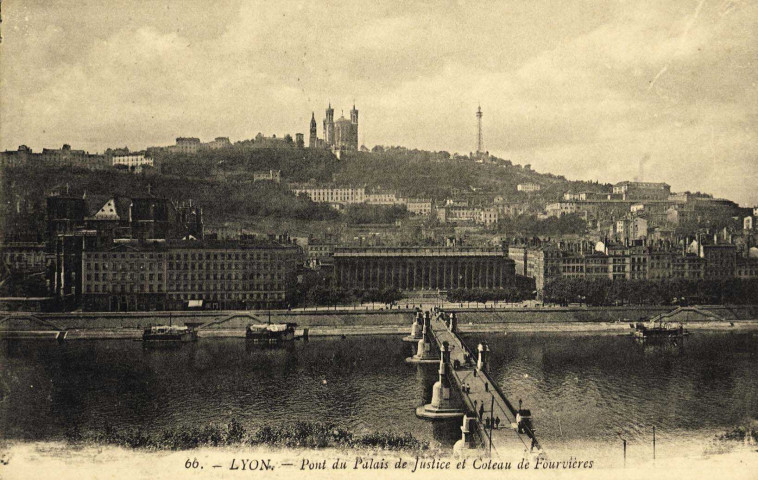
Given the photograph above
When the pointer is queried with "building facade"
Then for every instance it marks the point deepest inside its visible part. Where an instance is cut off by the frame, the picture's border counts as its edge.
(269, 176)
(528, 187)
(24, 257)
(178, 275)
(419, 206)
(340, 134)
(333, 195)
(720, 261)
(132, 162)
(422, 268)
(218, 143)
(187, 145)
(618, 262)
(53, 157)
(642, 190)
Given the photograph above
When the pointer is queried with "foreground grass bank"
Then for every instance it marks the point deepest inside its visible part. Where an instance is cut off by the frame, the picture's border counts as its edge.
(299, 435)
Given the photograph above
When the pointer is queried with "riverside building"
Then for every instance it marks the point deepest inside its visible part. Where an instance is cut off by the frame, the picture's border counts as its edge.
(619, 262)
(132, 276)
(422, 268)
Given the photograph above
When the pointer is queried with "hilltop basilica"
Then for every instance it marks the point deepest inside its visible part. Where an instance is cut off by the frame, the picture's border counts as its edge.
(339, 135)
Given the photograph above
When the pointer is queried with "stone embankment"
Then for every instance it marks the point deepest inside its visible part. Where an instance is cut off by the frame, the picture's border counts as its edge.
(395, 321)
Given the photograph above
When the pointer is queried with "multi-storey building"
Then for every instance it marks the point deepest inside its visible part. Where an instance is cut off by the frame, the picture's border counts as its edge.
(528, 187)
(457, 214)
(16, 158)
(132, 162)
(319, 253)
(720, 261)
(422, 268)
(487, 216)
(616, 262)
(128, 276)
(540, 263)
(630, 229)
(642, 190)
(185, 145)
(747, 268)
(561, 208)
(573, 266)
(597, 265)
(26, 257)
(53, 157)
(464, 214)
(336, 196)
(70, 231)
(382, 198)
(583, 196)
(419, 206)
(269, 176)
(510, 209)
(660, 265)
(687, 266)
(619, 260)
(124, 277)
(218, 143)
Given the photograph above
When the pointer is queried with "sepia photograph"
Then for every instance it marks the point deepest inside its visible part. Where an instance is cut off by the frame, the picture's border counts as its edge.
(387, 239)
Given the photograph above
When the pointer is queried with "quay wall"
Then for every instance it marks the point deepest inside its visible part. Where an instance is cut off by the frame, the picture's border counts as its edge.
(229, 320)
(606, 314)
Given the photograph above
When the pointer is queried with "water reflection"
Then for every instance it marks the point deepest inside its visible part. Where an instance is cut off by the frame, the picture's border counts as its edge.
(579, 387)
(584, 387)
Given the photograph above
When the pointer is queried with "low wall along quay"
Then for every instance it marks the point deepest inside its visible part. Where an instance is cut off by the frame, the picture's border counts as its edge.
(220, 323)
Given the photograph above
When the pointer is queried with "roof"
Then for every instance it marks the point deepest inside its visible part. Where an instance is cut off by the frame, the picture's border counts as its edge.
(273, 327)
(107, 211)
(108, 208)
(646, 184)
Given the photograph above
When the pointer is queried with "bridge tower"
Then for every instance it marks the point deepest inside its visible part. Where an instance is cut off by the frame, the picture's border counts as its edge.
(424, 351)
(417, 329)
(443, 405)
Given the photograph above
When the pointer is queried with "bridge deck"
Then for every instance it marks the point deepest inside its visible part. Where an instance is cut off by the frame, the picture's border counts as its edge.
(504, 439)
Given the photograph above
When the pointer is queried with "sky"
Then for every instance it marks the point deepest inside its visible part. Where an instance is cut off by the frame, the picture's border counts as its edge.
(594, 90)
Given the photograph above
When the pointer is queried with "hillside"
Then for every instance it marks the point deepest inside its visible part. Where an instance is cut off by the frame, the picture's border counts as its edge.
(221, 181)
(23, 192)
(413, 173)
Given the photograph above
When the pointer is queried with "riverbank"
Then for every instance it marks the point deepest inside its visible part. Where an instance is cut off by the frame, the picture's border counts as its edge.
(394, 321)
(607, 328)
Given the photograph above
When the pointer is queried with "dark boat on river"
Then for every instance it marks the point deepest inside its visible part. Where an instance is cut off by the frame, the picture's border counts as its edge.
(271, 332)
(658, 329)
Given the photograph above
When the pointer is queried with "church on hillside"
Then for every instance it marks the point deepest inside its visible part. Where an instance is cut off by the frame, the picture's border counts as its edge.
(341, 134)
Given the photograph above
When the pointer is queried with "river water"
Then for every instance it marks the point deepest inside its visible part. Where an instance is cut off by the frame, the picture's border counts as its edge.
(592, 389)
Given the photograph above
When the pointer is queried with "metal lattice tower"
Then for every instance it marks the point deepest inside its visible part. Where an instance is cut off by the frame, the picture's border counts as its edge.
(479, 148)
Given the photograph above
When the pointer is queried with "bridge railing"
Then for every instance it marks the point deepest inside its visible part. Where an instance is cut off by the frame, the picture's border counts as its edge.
(512, 411)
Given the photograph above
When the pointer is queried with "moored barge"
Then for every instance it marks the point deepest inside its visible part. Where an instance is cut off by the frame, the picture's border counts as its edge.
(658, 329)
(271, 332)
(169, 333)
